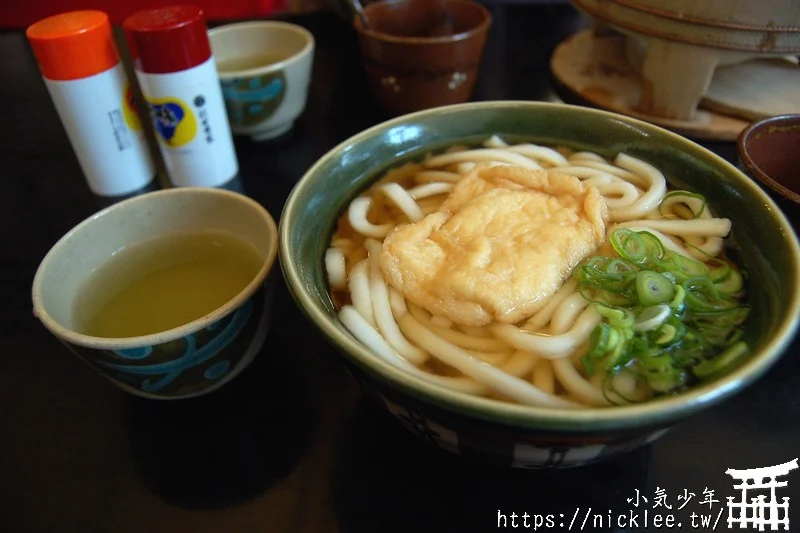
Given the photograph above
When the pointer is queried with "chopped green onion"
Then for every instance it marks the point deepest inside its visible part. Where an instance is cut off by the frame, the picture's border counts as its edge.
(603, 297)
(657, 363)
(653, 288)
(732, 284)
(609, 380)
(718, 270)
(600, 339)
(690, 267)
(677, 329)
(678, 299)
(652, 317)
(666, 334)
(618, 356)
(667, 318)
(696, 203)
(702, 295)
(629, 245)
(613, 314)
(609, 274)
(721, 362)
(665, 381)
(680, 266)
(654, 246)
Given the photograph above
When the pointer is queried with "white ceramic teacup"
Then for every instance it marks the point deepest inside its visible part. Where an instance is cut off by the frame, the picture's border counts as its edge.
(189, 360)
(265, 69)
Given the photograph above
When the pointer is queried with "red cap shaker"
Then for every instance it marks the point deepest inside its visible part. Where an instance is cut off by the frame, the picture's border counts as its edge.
(178, 77)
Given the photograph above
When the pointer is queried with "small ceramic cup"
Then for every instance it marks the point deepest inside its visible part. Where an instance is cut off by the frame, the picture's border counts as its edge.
(265, 70)
(420, 54)
(769, 151)
(187, 361)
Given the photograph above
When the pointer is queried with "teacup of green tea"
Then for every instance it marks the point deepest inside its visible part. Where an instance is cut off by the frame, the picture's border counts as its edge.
(265, 69)
(167, 294)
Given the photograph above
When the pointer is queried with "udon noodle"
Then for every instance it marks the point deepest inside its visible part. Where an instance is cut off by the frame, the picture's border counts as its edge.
(541, 360)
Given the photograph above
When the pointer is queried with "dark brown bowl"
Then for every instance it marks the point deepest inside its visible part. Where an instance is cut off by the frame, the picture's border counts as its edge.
(420, 54)
(769, 150)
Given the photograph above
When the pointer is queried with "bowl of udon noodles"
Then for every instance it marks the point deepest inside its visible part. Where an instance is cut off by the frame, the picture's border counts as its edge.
(540, 285)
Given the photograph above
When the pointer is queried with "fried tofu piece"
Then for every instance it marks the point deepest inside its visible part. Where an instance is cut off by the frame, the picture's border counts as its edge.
(501, 244)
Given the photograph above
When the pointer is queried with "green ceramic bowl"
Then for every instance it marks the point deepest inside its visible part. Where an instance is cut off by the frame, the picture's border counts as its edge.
(512, 434)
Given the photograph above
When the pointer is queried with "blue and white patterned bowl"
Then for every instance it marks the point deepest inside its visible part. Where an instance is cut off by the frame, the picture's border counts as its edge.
(187, 361)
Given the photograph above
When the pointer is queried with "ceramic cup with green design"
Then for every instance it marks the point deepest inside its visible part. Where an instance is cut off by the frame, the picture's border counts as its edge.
(512, 434)
(189, 360)
(265, 69)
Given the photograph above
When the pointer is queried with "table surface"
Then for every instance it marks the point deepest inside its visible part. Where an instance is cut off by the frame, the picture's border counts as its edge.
(291, 445)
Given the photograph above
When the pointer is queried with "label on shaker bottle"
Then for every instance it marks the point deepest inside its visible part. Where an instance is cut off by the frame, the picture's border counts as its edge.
(103, 127)
(190, 122)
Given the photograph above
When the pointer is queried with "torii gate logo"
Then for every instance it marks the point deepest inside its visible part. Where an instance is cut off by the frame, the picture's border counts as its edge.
(760, 512)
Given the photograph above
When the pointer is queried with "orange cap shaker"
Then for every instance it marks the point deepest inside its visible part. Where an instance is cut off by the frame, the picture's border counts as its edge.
(91, 93)
(73, 45)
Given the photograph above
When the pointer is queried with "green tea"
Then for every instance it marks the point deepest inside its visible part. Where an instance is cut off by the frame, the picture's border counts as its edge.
(164, 283)
(247, 62)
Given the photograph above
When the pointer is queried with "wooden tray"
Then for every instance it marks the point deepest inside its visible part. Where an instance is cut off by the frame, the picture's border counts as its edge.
(595, 68)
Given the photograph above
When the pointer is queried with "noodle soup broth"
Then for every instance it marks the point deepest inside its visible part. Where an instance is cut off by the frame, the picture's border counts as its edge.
(656, 306)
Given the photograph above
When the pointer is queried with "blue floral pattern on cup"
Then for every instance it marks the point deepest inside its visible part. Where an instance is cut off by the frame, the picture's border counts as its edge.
(251, 101)
(192, 356)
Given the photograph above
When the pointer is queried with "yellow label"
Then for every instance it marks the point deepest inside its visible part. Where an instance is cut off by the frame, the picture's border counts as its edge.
(174, 121)
(129, 111)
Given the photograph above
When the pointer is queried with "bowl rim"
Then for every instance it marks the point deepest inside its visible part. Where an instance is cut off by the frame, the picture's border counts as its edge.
(658, 412)
(742, 149)
(296, 57)
(102, 343)
(370, 33)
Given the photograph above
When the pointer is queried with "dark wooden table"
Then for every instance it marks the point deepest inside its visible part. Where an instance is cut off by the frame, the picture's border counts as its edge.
(290, 445)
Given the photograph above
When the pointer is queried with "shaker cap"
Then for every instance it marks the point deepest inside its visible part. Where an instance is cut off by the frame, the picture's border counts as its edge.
(73, 45)
(169, 39)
